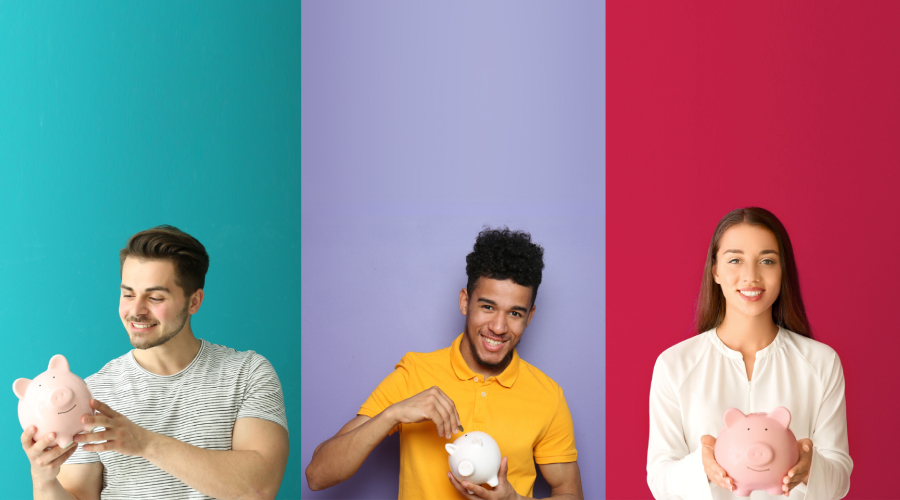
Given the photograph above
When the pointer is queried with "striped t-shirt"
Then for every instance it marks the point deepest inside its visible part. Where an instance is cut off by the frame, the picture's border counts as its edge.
(197, 405)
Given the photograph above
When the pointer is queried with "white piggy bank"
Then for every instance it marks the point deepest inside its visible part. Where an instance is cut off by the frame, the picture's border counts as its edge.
(475, 457)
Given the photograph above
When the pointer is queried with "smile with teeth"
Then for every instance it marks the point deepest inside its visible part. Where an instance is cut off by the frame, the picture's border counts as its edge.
(143, 325)
(748, 293)
(493, 342)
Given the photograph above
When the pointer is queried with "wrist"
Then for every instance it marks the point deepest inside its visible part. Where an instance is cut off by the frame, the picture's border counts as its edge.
(152, 444)
(43, 483)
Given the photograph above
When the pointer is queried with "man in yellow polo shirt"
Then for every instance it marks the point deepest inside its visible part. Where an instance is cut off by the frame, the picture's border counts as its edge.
(479, 383)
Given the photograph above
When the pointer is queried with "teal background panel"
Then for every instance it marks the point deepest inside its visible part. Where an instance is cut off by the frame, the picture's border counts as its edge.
(116, 117)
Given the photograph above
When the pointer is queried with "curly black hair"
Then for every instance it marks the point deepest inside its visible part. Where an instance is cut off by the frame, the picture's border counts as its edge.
(502, 254)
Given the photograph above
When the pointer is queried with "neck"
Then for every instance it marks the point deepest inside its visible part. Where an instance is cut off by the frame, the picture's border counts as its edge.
(747, 334)
(171, 357)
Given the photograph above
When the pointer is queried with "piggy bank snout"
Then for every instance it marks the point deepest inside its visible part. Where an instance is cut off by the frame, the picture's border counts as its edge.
(759, 454)
(61, 397)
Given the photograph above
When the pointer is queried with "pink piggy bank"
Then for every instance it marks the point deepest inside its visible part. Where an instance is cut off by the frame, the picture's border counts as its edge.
(54, 402)
(475, 457)
(757, 450)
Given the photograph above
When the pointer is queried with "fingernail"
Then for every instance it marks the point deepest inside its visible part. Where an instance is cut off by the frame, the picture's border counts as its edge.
(790, 474)
(805, 447)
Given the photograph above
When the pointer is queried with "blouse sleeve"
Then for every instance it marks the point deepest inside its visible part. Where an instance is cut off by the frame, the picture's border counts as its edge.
(829, 473)
(673, 470)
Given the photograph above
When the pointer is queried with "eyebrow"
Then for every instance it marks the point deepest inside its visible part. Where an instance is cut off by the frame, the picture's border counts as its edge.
(151, 289)
(491, 302)
(764, 252)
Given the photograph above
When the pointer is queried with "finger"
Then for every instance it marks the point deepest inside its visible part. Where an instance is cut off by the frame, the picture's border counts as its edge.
(476, 490)
(459, 487)
(439, 420)
(504, 462)
(99, 420)
(28, 436)
(445, 426)
(60, 452)
(104, 435)
(451, 409)
(43, 443)
(103, 408)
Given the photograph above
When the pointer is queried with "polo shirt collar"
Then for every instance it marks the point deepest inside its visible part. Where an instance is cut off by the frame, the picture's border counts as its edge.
(507, 378)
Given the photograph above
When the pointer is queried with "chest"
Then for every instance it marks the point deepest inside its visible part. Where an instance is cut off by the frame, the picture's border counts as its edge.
(714, 387)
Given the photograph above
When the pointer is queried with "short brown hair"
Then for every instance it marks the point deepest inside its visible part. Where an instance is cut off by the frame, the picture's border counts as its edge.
(788, 311)
(170, 243)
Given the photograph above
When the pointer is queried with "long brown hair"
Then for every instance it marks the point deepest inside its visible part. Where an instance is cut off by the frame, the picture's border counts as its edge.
(788, 311)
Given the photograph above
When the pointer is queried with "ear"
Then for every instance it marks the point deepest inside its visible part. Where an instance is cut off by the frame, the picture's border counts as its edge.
(732, 416)
(781, 415)
(477, 442)
(195, 300)
(20, 386)
(58, 362)
(464, 301)
(450, 448)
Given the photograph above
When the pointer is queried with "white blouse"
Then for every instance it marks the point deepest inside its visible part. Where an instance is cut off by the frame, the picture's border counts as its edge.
(695, 381)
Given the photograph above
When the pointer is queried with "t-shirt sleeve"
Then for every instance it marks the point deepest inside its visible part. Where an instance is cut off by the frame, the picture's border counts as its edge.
(263, 397)
(394, 388)
(558, 443)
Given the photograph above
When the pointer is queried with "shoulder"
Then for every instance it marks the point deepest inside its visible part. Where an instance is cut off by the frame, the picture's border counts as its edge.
(685, 354)
(415, 359)
(821, 358)
(537, 379)
(215, 354)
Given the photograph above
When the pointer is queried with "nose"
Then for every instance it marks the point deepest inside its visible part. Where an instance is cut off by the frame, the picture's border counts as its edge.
(499, 325)
(138, 308)
(759, 454)
(752, 274)
(61, 397)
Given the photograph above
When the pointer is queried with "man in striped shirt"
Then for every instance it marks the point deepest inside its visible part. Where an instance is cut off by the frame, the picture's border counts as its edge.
(177, 417)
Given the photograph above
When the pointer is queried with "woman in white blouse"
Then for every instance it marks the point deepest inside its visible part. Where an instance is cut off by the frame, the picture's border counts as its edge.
(754, 352)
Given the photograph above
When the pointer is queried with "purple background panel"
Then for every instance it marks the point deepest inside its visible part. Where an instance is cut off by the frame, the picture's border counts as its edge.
(421, 123)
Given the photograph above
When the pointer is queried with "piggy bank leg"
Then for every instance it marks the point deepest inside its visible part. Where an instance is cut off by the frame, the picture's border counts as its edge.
(493, 482)
(741, 493)
(63, 441)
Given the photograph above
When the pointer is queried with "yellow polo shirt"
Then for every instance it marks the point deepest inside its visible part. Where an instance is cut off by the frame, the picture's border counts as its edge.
(522, 409)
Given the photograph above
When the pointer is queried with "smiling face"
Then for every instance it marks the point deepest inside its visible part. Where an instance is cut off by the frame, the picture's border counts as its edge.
(748, 268)
(152, 307)
(497, 314)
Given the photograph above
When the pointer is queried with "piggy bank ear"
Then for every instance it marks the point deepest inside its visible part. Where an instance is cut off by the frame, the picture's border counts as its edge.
(450, 448)
(59, 362)
(20, 386)
(781, 415)
(732, 415)
(477, 442)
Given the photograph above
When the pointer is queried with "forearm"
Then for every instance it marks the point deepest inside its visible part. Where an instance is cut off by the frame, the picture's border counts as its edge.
(338, 458)
(226, 475)
(50, 490)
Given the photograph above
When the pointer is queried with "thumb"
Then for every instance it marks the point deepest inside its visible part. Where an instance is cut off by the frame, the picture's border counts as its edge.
(504, 463)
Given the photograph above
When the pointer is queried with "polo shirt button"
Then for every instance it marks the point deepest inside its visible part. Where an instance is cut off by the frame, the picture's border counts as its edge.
(483, 394)
(476, 379)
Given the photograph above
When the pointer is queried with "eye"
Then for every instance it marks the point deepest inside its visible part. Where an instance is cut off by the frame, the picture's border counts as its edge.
(516, 313)
(155, 299)
(487, 307)
(734, 261)
(126, 295)
(767, 262)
